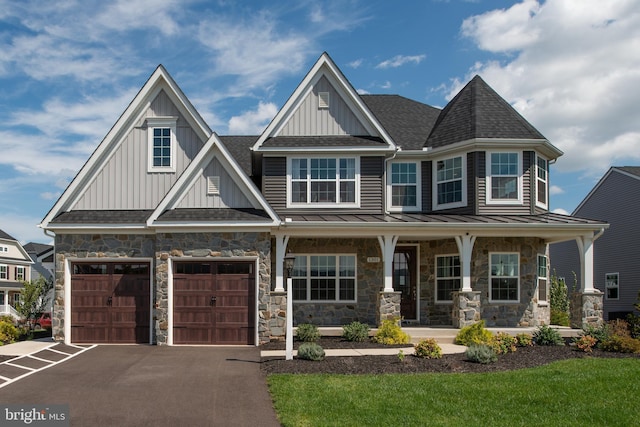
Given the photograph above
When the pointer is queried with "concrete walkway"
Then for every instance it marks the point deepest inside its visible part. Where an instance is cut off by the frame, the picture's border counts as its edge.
(446, 349)
(22, 348)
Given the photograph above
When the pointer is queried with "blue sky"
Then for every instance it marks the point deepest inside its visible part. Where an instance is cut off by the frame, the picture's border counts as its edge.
(69, 68)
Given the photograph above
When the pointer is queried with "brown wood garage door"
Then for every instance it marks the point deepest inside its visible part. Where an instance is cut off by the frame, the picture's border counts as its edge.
(110, 303)
(213, 303)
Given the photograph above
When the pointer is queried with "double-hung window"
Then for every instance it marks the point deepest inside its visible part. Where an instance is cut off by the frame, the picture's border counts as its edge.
(542, 182)
(504, 178)
(161, 144)
(404, 186)
(447, 277)
(542, 278)
(612, 285)
(504, 277)
(20, 273)
(4, 272)
(450, 189)
(324, 181)
(324, 278)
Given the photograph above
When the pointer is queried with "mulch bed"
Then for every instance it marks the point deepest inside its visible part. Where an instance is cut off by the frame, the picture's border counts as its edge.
(524, 357)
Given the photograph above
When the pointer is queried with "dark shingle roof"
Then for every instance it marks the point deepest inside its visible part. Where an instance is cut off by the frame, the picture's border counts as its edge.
(214, 214)
(407, 121)
(633, 170)
(477, 111)
(240, 148)
(103, 217)
(37, 248)
(324, 141)
(4, 235)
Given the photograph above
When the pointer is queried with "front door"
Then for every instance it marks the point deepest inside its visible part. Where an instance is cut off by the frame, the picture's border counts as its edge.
(404, 280)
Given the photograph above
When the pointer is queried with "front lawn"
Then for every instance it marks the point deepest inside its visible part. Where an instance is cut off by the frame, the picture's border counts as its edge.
(603, 392)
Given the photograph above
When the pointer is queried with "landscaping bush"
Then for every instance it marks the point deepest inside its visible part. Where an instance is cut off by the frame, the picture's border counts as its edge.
(545, 335)
(307, 332)
(8, 332)
(504, 343)
(524, 340)
(619, 327)
(585, 343)
(600, 333)
(481, 353)
(310, 351)
(474, 334)
(428, 349)
(621, 344)
(559, 299)
(634, 325)
(559, 318)
(390, 333)
(355, 331)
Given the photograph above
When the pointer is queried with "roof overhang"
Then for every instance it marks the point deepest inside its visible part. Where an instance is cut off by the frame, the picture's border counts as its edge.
(542, 146)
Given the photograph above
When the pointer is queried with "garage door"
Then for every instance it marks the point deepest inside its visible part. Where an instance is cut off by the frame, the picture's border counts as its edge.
(213, 303)
(110, 303)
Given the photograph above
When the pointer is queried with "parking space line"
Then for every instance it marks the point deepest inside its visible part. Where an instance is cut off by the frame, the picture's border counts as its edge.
(15, 365)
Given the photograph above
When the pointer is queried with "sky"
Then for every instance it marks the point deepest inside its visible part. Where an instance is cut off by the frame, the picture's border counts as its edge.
(69, 68)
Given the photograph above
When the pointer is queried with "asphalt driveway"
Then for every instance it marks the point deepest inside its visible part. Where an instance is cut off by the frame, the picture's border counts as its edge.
(142, 385)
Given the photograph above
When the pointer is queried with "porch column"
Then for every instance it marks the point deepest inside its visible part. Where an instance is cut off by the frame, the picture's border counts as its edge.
(281, 247)
(585, 247)
(586, 304)
(388, 246)
(465, 247)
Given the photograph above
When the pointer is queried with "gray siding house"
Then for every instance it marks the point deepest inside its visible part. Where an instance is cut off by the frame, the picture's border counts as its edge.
(15, 268)
(171, 234)
(616, 260)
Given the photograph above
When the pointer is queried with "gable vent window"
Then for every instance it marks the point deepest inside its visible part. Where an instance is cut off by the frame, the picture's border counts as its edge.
(213, 185)
(323, 100)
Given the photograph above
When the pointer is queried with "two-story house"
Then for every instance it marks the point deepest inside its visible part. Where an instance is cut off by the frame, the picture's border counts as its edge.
(15, 269)
(392, 208)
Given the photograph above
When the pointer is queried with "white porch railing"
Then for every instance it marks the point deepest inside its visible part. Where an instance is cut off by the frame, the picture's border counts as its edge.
(7, 310)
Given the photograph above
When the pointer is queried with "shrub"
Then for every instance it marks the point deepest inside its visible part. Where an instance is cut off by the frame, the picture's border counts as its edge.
(619, 327)
(600, 333)
(618, 344)
(634, 325)
(585, 343)
(545, 335)
(307, 332)
(8, 332)
(428, 349)
(481, 353)
(355, 331)
(559, 300)
(310, 351)
(391, 333)
(524, 340)
(474, 334)
(503, 343)
(559, 318)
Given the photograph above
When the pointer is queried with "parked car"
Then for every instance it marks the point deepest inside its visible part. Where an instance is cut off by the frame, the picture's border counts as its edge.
(42, 322)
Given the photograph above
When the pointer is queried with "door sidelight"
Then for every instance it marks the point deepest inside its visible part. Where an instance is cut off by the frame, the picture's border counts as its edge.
(109, 300)
(212, 301)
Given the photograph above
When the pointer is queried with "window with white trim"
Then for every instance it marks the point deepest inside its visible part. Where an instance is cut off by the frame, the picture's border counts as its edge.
(504, 277)
(329, 278)
(542, 182)
(4, 272)
(543, 278)
(447, 277)
(323, 181)
(20, 273)
(404, 186)
(162, 144)
(16, 298)
(449, 180)
(4, 249)
(504, 178)
(612, 285)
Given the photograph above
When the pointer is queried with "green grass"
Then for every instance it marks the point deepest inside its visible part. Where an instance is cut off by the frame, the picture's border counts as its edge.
(578, 392)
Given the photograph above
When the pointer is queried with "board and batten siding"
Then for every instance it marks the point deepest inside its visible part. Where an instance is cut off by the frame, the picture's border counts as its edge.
(498, 209)
(230, 194)
(124, 182)
(309, 119)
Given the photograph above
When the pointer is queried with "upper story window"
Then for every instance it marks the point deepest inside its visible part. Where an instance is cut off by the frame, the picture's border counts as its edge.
(4, 272)
(318, 181)
(20, 273)
(403, 190)
(612, 285)
(449, 181)
(542, 182)
(504, 178)
(4, 249)
(162, 144)
(324, 278)
(504, 277)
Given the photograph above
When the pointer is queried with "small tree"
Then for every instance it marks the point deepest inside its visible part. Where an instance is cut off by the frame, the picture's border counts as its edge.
(34, 298)
(559, 301)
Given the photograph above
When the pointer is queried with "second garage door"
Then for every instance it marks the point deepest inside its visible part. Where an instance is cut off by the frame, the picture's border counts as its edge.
(213, 302)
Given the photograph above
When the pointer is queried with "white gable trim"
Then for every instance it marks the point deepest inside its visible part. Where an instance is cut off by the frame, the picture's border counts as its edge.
(325, 66)
(213, 148)
(159, 80)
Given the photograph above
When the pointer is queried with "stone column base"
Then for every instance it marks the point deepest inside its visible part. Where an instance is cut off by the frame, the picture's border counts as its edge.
(586, 309)
(466, 308)
(388, 306)
(272, 322)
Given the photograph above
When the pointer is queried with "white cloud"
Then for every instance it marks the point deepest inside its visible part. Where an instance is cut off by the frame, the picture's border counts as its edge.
(572, 68)
(24, 228)
(400, 60)
(386, 85)
(253, 122)
(560, 211)
(48, 195)
(356, 63)
(554, 190)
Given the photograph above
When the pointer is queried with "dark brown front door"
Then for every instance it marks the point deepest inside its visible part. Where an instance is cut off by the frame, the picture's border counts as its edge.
(213, 303)
(404, 280)
(110, 303)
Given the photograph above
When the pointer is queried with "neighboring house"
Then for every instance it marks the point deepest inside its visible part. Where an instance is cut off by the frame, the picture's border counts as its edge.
(42, 256)
(616, 263)
(15, 268)
(172, 234)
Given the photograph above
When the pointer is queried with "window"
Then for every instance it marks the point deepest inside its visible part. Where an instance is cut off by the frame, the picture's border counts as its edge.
(16, 298)
(450, 188)
(162, 144)
(404, 190)
(504, 178)
(4, 249)
(447, 277)
(612, 285)
(542, 183)
(4, 272)
(542, 278)
(328, 181)
(504, 277)
(324, 278)
(20, 273)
